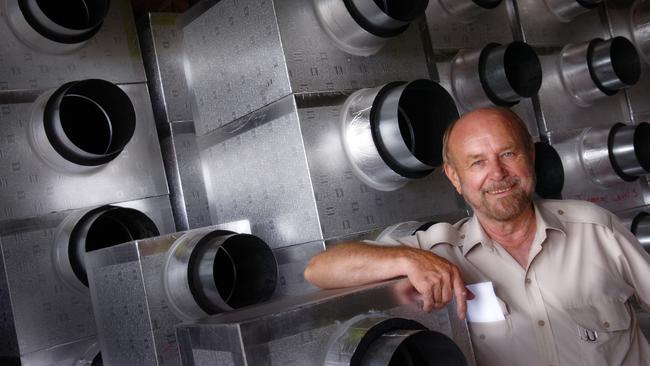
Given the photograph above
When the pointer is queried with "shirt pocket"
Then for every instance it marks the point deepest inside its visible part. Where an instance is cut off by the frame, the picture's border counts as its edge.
(492, 339)
(602, 330)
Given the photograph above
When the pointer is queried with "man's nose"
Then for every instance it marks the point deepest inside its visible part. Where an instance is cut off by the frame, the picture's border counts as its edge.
(497, 170)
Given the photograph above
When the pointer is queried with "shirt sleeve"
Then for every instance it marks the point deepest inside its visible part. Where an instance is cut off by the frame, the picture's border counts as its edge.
(634, 263)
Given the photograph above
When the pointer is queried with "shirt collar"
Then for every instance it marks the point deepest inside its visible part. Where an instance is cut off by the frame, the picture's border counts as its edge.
(474, 233)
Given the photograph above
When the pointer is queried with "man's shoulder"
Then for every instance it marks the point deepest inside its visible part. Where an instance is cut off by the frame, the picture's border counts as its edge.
(575, 211)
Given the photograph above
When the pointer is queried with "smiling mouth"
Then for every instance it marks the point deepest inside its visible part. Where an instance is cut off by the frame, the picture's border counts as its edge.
(500, 190)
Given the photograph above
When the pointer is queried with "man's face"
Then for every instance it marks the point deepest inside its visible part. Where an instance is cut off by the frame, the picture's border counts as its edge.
(490, 167)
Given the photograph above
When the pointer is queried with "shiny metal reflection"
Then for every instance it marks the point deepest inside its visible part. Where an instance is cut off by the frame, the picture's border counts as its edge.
(640, 26)
(566, 10)
(87, 230)
(82, 125)
(641, 229)
(468, 10)
(495, 75)
(51, 27)
(393, 133)
(210, 271)
(362, 27)
(599, 68)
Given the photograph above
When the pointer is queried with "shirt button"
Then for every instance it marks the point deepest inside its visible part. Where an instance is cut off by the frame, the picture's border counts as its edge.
(606, 324)
(560, 212)
(528, 281)
(541, 323)
(462, 236)
(482, 336)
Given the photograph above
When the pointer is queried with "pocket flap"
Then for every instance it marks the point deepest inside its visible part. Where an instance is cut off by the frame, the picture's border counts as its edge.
(606, 315)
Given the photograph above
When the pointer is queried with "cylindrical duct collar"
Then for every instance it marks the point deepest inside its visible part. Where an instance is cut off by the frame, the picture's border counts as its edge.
(509, 72)
(613, 64)
(229, 271)
(89, 122)
(375, 339)
(468, 10)
(566, 10)
(549, 171)
(362, 27)
(629, 151)
(641, 229)
(95, 229)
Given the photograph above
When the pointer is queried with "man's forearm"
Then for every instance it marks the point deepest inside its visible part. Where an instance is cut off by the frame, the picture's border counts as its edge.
(355, 263)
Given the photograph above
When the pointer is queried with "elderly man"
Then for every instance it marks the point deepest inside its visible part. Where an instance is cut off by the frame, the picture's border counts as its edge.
(565, 273)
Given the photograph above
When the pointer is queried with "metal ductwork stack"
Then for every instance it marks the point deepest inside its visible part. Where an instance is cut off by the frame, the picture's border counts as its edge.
(81, 168)
(332, 327)
(161, 40)
(44, 296)
(142, 289)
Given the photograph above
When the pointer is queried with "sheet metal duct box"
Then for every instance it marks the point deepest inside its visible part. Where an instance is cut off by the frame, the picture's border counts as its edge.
(142, 289)
(53, 162)
(45, 45)
(45, 304)
(457, 24)
(184, 175)
(161, 41)
(374, 324)
(306, 168)
(244, 55)
(559, 22)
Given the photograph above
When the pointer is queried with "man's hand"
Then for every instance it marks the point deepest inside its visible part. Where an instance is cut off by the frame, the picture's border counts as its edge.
(437, 280)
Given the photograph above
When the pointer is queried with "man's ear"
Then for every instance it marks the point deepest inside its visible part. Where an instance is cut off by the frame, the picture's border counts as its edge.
(453, 177)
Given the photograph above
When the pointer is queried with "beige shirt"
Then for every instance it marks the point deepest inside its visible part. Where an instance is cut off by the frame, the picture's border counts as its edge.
(571, 306)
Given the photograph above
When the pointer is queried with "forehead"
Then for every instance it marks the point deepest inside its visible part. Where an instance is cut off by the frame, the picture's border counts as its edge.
(481, 133)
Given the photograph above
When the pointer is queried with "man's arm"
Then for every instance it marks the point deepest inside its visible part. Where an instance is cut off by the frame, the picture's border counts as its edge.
(353, 264)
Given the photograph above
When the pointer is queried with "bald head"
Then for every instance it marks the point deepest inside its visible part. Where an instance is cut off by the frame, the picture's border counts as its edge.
(484, 118)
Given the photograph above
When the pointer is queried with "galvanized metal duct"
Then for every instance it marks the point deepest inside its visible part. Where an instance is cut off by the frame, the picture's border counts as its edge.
(641, 229)
(362, 27)
(640, 26)
(403, 229)
(82, 125)
(52, 27)
(212, 271)
(566, 10)
(393, 133)
(495, 75)
(94, 229)
(548, 170)
(467, 10)
(379, 340)
(599, 68)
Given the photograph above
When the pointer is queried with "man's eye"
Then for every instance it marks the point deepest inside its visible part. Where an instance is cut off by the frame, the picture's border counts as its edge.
(477, 163)
(508, 154)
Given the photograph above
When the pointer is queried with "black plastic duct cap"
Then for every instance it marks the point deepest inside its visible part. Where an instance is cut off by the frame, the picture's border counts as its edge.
(629, 150)
(386, 18)
(71, 21)
(89, 122)
(613, 64)
(487, 4)
(549, 171)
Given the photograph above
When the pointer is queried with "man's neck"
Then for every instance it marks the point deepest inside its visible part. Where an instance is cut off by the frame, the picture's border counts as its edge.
(511, 234)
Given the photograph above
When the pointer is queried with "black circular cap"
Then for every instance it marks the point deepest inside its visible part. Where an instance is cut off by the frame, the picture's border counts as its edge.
(402, 11)
(487, 4)
(549, 171)
(613, 64)
(589, 4)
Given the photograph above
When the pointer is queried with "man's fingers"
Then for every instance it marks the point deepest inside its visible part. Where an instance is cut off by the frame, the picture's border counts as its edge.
(447, 288)
(461, 294)
(427, 300)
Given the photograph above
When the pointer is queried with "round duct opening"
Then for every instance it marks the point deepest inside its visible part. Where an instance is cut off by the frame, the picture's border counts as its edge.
(641, 229)
(508, 73)
(234, 270)
(566, 10)
(467, 10)
(82, 125)
(629, 151)
(376, 339)
(613, 64)
(44, 24)
(102, 228)
(393, 133)
(548, 170)
(487, 4)
(362, 27)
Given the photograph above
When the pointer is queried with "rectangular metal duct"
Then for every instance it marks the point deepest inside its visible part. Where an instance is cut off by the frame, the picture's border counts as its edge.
(31, 187)
(135, 315)
(161, 42)
(283, 168)
(43, 303)
(184, 176)
(307, 330)
(112, 54)
(244, 55)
